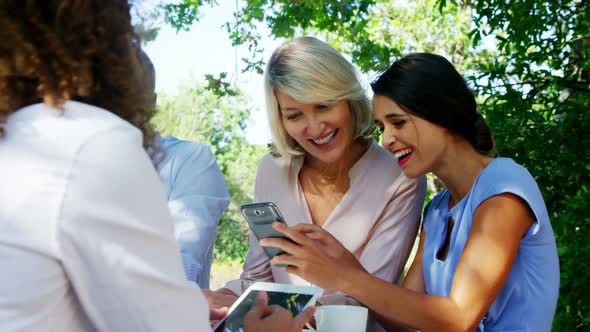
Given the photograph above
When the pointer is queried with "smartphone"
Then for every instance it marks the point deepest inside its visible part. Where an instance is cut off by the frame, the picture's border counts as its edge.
(260, 217)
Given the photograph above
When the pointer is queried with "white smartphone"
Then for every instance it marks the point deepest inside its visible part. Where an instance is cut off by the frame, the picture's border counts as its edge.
(291, 297)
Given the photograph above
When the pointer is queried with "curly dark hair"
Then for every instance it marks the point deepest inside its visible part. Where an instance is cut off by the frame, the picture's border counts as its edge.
(53, 51)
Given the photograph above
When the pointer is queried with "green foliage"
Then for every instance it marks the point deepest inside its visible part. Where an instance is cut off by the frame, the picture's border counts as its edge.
(572, 226)
(232, 242)
(371, 31)
(200, 115)
(538, 96)
(393, 28)
(219, 86)
(182, 15)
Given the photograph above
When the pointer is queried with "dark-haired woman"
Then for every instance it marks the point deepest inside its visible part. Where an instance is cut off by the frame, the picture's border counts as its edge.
(487, 259)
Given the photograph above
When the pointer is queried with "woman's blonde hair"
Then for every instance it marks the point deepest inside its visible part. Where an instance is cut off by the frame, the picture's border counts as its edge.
(313, 72)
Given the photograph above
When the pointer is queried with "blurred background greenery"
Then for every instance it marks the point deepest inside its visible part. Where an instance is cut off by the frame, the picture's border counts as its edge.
(528, 62)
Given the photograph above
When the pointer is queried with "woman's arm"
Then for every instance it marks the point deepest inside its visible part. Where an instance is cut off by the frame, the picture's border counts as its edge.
(414, 280)
(498, 225)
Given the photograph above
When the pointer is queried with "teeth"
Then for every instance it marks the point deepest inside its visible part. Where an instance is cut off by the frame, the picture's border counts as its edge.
(325, 139)
(402, 153)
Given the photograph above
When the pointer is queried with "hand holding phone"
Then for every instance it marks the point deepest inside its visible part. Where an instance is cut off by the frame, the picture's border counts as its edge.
(260, 217)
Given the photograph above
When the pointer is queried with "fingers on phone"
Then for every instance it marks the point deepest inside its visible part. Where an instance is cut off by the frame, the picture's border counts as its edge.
(284, 260)
(297, 236)
(306, 228)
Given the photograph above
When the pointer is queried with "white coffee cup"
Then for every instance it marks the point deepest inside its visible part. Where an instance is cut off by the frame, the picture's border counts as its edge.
(341, 318)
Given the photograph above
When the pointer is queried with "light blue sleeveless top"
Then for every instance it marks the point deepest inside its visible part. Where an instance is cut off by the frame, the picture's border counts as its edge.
(528, 299)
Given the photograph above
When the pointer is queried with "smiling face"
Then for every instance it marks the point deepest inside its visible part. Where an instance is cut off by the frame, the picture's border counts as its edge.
(325, 131)
(418, 145)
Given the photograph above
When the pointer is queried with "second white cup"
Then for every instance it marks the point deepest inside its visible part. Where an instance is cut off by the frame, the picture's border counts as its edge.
(341, 318)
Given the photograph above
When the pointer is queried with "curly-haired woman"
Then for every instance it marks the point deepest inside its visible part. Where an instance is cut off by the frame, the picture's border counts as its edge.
(86, 242)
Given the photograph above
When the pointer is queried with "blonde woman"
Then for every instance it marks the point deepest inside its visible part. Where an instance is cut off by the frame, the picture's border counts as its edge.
(327, 170)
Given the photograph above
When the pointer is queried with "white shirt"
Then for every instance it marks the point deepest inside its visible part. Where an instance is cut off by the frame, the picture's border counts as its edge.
(86, 240)
(197, 196)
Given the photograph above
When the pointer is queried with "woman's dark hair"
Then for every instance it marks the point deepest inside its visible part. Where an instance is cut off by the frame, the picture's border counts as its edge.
(53, 51)
(428, 86)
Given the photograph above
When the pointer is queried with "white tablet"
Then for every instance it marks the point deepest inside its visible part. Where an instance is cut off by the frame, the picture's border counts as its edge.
(291, 297)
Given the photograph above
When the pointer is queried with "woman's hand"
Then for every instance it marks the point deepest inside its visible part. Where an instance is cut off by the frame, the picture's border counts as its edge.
(328, 243)
(263, 318)
(219, 303)
(315, 255)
